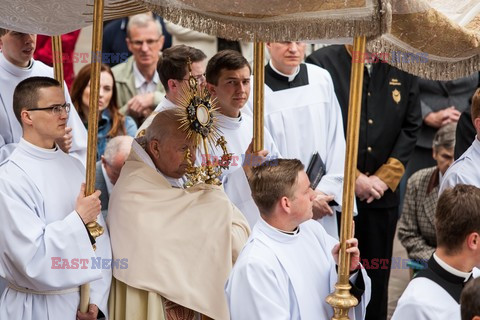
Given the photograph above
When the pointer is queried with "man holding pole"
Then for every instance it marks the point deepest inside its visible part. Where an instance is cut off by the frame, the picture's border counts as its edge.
(288, 266)
(47, 249)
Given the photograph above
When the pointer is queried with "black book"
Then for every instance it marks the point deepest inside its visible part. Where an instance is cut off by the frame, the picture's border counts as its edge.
(315, 170)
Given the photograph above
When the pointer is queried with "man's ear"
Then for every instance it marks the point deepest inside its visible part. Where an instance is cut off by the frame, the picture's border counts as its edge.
(25, 116)
(285, 204)
(473, 241)
(161, 42)
(154, 148)
(476, 123)
(129, 44)
(104, 162)
(211, 88)
(172, 84)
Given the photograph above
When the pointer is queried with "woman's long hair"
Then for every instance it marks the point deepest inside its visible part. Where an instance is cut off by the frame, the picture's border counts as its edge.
(76, 93)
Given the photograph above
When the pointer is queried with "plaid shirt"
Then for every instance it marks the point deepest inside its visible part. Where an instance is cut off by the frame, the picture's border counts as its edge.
(416, 228)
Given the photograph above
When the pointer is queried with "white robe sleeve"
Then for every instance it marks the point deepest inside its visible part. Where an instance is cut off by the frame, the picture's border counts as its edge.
(238, 191)
(79, 133)
(6, 149)
(332, 181)
(31, 246)
(256, 294)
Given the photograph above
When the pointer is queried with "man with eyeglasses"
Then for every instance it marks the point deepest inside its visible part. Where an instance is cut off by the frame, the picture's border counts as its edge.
(138, 84)
(173, 72)
(17, 64)
(47, 250)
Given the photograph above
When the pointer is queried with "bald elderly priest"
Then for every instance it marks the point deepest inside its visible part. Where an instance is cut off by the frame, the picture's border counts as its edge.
(180, 243)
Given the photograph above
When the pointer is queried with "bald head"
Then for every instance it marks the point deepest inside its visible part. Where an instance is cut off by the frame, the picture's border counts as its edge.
(164, 124)
(167, 144)
(116, 153)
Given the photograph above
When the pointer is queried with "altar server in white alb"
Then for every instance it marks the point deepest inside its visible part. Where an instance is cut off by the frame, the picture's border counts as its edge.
(17, 64)
(228, 80)
(466, 169)
(434, 293)
(288, 266)
(303, 115)
(46, 249)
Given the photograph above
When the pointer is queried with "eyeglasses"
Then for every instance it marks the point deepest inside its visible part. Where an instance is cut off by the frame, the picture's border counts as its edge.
(55, 109)
(199, 77)
(139, 43)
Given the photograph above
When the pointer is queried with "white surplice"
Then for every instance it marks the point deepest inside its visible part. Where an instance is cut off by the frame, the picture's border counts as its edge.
(38, 222)
(238, 132)
(10, 128)
(465, 170)
(287, 276)
(425, 299)
(305, 119)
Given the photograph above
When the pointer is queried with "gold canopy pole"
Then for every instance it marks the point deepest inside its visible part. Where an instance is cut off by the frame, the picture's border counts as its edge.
(93, 227)
(258, 88)
(57, 59)
(342, 300)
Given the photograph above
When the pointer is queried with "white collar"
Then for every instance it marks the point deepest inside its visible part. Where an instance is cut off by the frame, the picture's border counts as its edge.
(16, 70)
(107, 180)
(140, 79)
(290, 77)
(229, 122)
(451, 269)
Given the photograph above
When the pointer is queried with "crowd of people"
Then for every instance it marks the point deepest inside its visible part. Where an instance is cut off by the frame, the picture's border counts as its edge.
(264, 245)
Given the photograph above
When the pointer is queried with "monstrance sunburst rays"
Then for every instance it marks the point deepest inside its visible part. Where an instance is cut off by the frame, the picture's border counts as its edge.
(198, 114)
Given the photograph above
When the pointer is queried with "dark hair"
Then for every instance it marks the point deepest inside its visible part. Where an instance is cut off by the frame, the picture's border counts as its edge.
(470, 300)
(76, 92)
(173, 63)
(225, 59)
(457, 215)
(26, 96)
(272, 180)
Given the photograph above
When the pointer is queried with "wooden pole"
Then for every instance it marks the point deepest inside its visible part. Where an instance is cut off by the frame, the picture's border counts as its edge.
(342, 300)
(258, 88)
(57, 59)
(93, 227)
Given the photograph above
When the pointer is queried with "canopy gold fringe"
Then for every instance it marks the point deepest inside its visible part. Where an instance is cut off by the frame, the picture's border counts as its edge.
(294, 29)
(424, 65)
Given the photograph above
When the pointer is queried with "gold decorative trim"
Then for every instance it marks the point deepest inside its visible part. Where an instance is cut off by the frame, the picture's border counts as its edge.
(430, 69)
(274, 30)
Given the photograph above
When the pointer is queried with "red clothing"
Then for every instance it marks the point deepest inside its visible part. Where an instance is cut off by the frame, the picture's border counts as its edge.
(43, 52)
